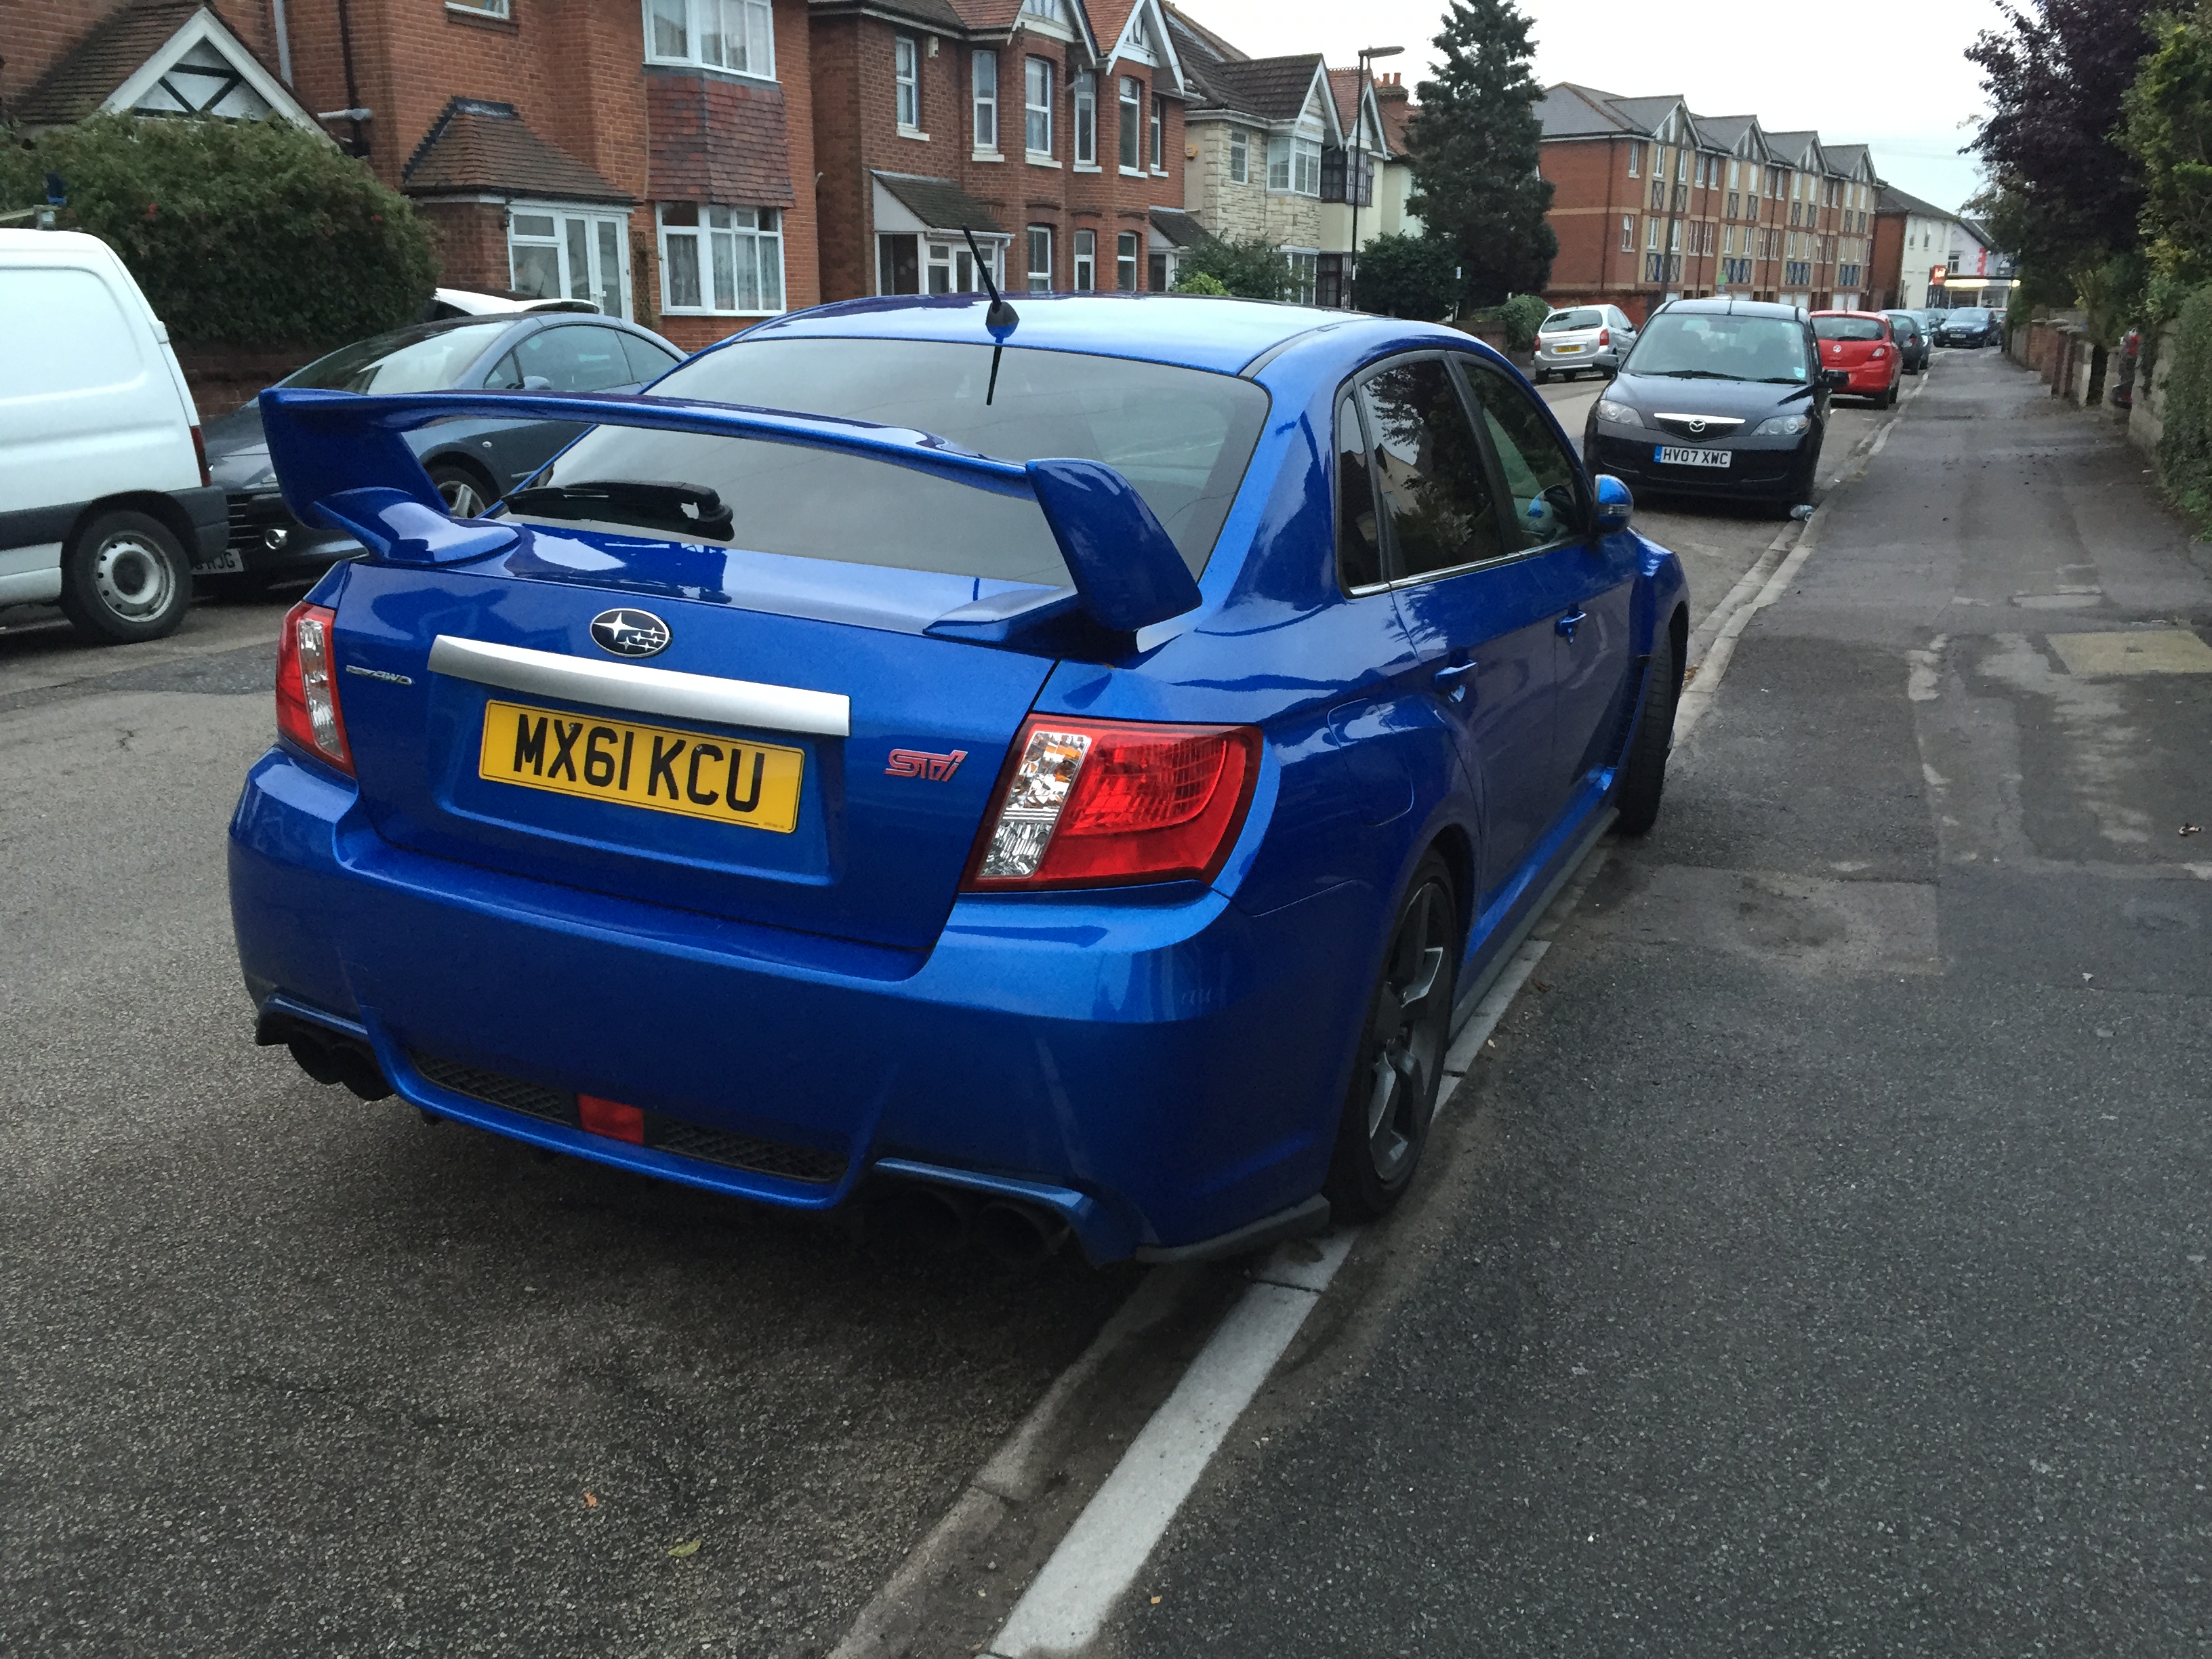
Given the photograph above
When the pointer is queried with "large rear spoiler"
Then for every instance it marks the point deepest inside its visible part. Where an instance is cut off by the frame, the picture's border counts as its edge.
(345, 466)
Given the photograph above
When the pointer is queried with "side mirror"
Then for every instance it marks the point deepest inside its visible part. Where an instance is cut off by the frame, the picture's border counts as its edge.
(1615, 505)
(535, 383)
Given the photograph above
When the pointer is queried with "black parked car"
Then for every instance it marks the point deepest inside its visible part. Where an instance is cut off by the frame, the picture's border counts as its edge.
(472, 462)
(1912, 343)
(1969, 325)
(1720, 397)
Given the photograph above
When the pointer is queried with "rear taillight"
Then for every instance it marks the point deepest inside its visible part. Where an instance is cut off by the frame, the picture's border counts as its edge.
(1108, 803)
(199, 454)
(307, 712)
(1605, 336)
(1879, 352)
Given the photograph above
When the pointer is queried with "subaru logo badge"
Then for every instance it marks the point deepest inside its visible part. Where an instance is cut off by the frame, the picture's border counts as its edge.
(629, 633)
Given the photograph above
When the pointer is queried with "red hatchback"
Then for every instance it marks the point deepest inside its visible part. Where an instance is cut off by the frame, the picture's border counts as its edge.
(1860, 343)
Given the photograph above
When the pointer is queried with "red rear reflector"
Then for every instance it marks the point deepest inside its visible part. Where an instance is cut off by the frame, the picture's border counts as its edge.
(1109, 803)
(307, 711)
(610, 1118)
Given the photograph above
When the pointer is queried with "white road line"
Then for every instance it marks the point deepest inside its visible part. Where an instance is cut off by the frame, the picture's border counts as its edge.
(1102, 1552)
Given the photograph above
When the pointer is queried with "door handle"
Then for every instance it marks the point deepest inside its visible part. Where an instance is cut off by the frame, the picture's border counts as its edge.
(1567, 624)
(1452, 679)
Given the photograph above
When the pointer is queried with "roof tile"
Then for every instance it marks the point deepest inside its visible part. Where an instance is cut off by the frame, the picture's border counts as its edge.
(477, 143)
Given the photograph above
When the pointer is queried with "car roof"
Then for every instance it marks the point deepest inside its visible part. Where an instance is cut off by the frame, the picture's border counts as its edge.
(1195, 331)
(1722, 304)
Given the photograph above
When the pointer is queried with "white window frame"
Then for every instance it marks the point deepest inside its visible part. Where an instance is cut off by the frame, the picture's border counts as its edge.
(594, 218)
(1129, 127)
(755, 18)
(1159, 135)
(906, 81)
(1635, 160)
(1086, 90)
(1039, 238)
(984, 100)
(1305, 274)
(1240, 156)
(703, 237)
(1628, 233)
(1126, 255)
(494, 9)
(1086, 261)
(1651, 235)
(1036, 72)
(1293, 165)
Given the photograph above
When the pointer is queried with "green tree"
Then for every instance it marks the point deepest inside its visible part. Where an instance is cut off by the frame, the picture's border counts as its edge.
(249, 232)
(2168, 130)
(1253, 270)
(1402, 275)
(1475, 147)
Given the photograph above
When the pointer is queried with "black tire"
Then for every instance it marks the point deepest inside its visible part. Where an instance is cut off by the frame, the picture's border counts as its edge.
(1543, 377)
(1392, 1097)
(465, 491)
(126, 578)
(1645, 773)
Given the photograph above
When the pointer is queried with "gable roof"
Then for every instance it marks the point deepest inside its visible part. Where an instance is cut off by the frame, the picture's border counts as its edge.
(1568, 111)
(105, 69)
(1357, 107)
(1274, 89)
(940, 203)
(476, 144)
(1893, 200)
(1197, 43)
(1120, 22)
(1398, 109)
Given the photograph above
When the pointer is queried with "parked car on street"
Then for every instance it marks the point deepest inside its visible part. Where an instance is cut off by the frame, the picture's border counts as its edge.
(1912, 343)
(1074, 773)
(447, 302)
(1861, 344)
(1721, 398)
(105, 504)
(1969, 325)
(1583, 338)
(471, 463)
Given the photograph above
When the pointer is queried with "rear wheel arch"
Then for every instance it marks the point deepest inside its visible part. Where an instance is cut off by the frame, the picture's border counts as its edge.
(1455, 848)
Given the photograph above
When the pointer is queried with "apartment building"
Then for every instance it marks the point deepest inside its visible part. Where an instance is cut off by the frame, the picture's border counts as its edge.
(1652, 202)
(654, 156)
(1050, 131)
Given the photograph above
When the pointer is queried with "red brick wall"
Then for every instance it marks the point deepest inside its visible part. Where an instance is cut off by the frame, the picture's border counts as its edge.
(35, 34)
(856, 133)
(1886, 275)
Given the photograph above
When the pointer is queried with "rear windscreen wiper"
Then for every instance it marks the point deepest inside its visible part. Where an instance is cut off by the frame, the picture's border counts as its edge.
(687, 509)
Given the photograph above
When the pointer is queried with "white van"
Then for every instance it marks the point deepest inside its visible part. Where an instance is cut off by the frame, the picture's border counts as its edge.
(105, 499)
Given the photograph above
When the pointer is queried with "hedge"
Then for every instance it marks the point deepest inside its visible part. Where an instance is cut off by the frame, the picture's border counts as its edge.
(240, 233)
(2185, 452)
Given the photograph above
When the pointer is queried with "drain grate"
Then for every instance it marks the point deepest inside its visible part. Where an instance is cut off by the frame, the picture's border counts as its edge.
(675, 1135)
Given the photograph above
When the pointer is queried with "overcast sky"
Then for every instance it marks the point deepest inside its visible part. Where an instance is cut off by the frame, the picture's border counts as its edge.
(1889, 73)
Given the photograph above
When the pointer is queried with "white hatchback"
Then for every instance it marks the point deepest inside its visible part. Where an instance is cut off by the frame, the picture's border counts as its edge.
(105, 499)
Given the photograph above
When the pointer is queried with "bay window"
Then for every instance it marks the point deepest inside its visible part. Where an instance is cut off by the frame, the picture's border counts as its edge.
(1132, 109)
(738, 35)
(720, 260)
(984, 78)
(1086, 119)
(1294, 164)
(1036, 109)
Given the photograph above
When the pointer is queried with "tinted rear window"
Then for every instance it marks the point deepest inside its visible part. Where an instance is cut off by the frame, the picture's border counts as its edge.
(1847, 328)
(1587, 317)
(407, 360)
(1182, 436)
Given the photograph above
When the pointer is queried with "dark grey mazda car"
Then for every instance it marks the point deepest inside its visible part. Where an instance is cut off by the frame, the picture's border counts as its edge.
(472, 462)
(1720, 398)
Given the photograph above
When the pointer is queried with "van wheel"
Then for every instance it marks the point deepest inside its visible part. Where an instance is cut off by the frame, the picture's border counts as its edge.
(1400, 1062)
(124, 579)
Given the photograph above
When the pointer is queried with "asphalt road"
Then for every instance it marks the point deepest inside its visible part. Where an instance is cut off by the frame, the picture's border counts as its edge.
(1819, 1262)
(286, 1373)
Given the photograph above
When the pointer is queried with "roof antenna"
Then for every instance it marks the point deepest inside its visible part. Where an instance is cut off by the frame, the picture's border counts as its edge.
(999, 320)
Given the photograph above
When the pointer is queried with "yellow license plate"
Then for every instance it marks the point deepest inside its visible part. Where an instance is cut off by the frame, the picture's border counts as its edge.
(1562, 350)
(753, 784)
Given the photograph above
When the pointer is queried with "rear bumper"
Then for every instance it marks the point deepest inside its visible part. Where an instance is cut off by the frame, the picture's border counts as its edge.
(1554, 362)
(260, 536)
(1160, 1072)
(1871, 380)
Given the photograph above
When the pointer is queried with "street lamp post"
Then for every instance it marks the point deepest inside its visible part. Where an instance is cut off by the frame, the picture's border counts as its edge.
(1367, 57)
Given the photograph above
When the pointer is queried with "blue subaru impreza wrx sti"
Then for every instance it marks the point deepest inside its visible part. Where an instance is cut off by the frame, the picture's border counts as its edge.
(1080, 763)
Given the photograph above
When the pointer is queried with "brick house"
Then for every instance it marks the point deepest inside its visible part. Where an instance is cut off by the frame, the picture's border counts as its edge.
(1051, 130)
(1652, 202)
(655, 156)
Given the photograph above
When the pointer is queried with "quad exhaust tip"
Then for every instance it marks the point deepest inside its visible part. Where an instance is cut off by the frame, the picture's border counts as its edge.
(328, 1056)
